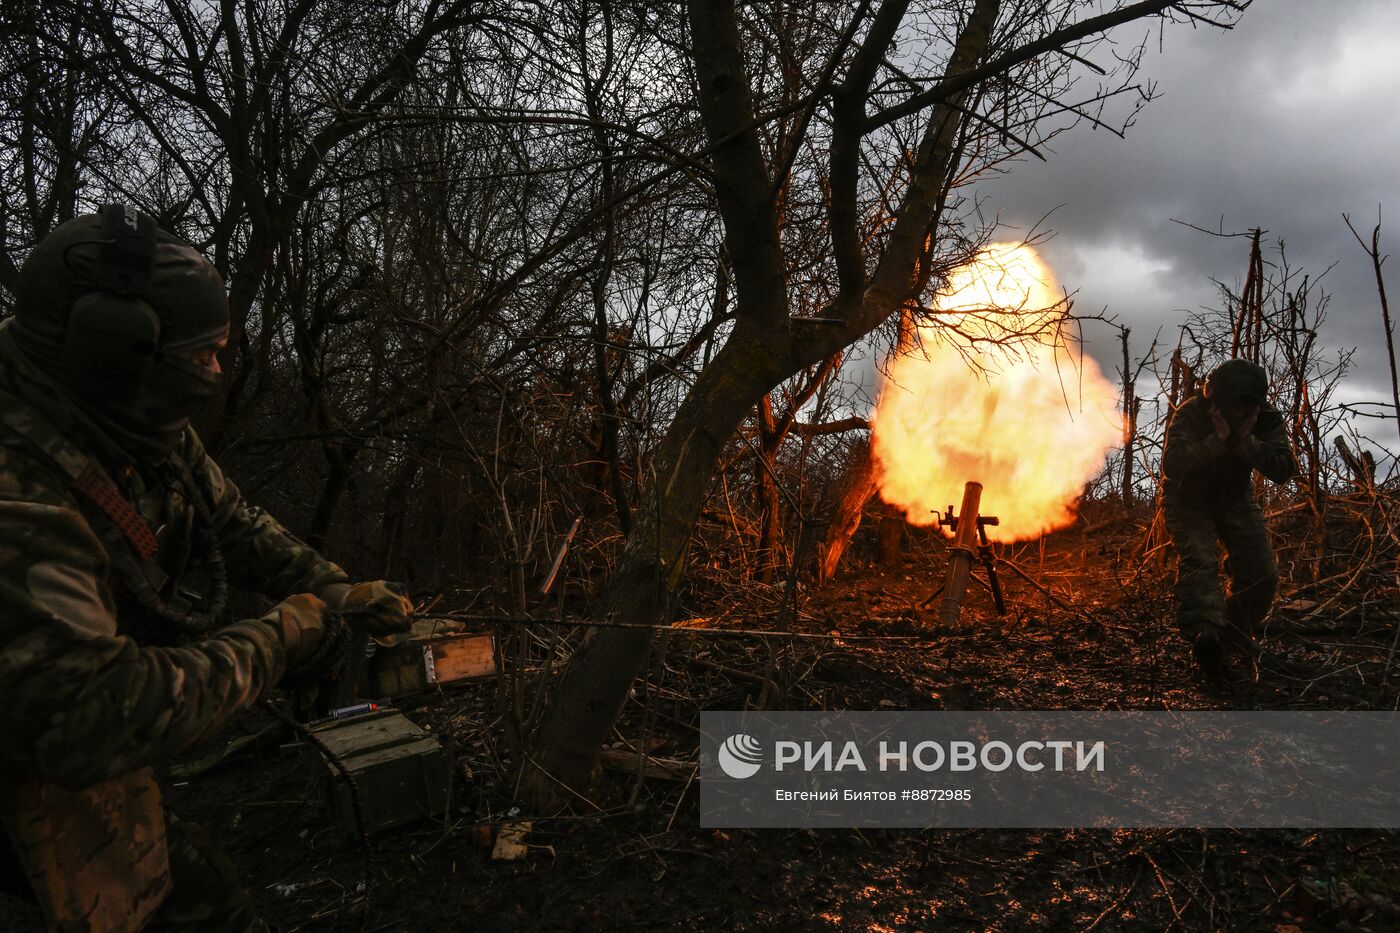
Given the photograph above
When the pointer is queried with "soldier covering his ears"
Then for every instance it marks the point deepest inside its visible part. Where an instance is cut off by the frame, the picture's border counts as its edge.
(110, 511)
(1215, 442)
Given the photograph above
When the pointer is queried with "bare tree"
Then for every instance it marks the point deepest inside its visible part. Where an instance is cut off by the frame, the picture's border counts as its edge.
(1373, 249)
(875, 277)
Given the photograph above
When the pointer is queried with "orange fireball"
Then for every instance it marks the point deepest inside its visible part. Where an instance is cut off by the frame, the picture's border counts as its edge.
(989, 392)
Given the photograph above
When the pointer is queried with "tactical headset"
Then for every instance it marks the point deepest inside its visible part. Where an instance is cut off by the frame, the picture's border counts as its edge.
(113, 334)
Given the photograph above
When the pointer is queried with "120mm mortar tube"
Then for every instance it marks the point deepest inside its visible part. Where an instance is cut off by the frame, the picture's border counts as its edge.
(964, 552)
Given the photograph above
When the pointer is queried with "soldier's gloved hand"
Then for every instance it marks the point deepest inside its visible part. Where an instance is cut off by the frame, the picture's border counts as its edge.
(377, 608)
(301, 620)
(1245, 427)
(1222, 427)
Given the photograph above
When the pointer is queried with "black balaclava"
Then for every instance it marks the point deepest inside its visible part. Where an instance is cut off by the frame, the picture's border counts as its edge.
(1237, 384)
(145, 415)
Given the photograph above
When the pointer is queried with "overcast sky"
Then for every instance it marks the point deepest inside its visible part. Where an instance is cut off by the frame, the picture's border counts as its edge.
(1284, 122)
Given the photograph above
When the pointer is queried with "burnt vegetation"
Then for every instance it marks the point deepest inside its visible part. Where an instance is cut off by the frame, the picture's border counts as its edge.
(504, 274)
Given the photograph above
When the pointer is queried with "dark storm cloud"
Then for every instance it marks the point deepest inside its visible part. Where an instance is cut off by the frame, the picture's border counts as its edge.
(1283, 123)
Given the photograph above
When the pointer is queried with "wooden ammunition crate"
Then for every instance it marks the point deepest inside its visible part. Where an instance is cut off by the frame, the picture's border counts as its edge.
(426, 661)
(402, 773)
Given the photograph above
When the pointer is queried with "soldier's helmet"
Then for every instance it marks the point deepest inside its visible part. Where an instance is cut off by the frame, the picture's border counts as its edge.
(115, 310)
(1237, 384)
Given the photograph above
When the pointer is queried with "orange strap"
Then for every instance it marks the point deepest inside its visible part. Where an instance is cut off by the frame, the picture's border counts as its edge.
(101, 493)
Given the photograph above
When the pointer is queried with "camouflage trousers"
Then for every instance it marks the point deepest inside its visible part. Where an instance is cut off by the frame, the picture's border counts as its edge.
(1196, 534)
(205, 895)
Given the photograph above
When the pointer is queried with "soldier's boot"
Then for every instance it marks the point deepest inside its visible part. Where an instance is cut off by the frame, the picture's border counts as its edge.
(1209, 653)
(1246, 608)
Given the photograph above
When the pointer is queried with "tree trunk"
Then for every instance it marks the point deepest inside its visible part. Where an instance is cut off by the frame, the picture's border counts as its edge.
(891, 538)
(860, 482)
(1361, 466)
(766, 487)
(848, 506)
(1130, 413)
(765, 347)
(594, 685)
(341, 460)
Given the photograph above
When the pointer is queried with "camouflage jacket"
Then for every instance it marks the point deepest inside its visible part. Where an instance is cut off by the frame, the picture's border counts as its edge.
(88, 700)
(1198, 468)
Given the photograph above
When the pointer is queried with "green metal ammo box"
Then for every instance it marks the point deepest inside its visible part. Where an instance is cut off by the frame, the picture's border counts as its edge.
(402, 773)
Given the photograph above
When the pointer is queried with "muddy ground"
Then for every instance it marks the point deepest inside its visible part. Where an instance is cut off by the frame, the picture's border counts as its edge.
(643, 862)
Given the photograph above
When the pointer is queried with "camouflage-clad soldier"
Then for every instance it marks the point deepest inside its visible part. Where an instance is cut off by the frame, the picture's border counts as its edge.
(110, 514)
(1215, 442)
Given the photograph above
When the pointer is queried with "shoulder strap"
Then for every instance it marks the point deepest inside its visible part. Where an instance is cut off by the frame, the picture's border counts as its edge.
(86, 478)
(100, 491)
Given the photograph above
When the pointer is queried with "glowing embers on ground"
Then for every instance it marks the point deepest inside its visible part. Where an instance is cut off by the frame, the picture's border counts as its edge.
(989, 391)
